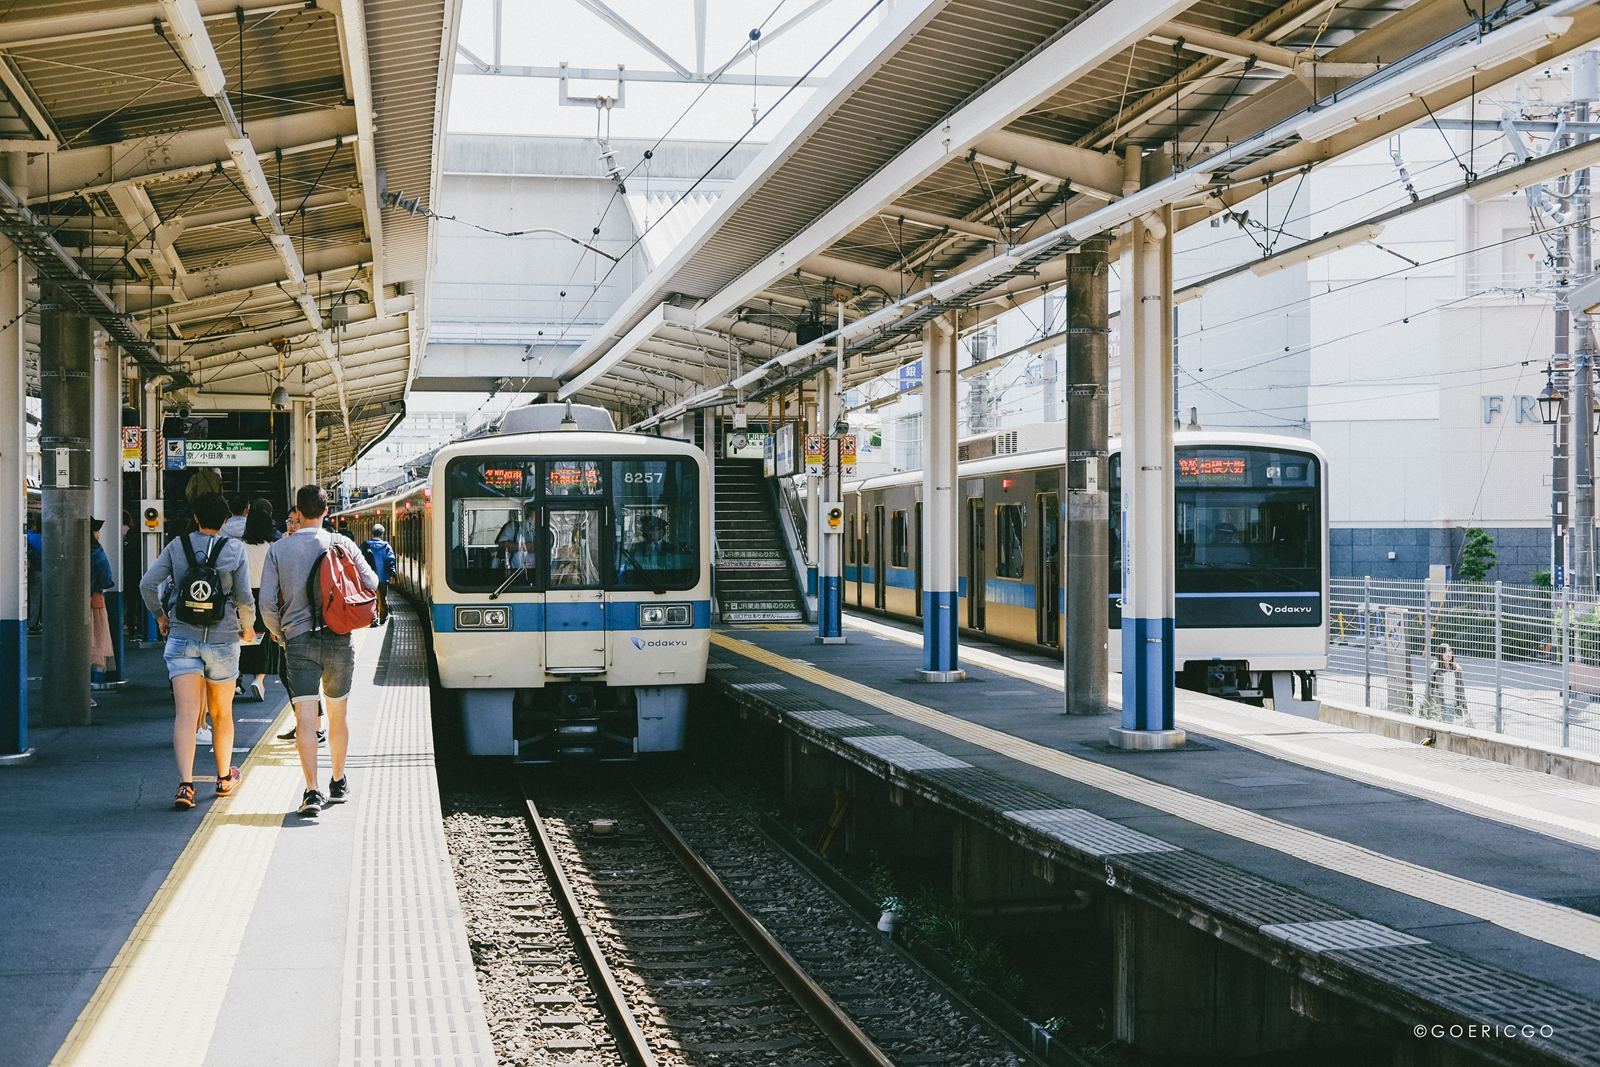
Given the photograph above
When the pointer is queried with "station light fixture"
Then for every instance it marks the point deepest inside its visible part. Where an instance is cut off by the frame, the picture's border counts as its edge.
(1310, 250)
(1488, 52)
(1550, 401)
(1534, 171)
(251, 176)
(188, 30)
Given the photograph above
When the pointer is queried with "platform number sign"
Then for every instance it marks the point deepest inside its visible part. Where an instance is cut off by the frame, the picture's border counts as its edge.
(815, 454)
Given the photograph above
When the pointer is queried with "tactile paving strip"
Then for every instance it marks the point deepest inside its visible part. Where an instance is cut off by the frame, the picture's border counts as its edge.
(1088, 832)
(827, 719)
(410, 993)
(904, 752)
(1340, 934)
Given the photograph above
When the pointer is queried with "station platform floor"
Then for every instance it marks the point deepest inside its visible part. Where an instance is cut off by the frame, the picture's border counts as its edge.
(240, 932)
(1461, 889)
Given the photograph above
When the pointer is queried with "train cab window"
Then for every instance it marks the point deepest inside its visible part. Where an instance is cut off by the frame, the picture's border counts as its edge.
(493, 532)
(1248, 521)
(899, 541)
(573, 477)
(574, 547)
(655, 513)
(1008, 521)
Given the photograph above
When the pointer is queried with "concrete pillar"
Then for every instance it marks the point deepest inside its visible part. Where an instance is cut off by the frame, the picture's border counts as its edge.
(1085, 581)
(941, 515)
(1147, 488)
(830, 522)
(66, 363)
(13, 487)
(813, 502)
(106, 461)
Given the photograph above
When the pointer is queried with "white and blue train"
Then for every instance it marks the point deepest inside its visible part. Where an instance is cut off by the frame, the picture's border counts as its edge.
(564, 573)
(1251, 556)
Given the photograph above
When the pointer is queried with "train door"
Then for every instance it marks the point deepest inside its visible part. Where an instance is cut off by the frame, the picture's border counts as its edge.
(918, 560)
(977, 564)
(574, 611)
(880, 562)
(1048, 592)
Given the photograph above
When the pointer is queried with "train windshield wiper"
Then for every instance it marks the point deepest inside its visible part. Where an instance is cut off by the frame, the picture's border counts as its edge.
(509, 579)
(655, 587)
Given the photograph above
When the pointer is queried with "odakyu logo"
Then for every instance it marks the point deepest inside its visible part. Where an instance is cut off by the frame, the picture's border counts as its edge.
(641, 643)
(1282, 609)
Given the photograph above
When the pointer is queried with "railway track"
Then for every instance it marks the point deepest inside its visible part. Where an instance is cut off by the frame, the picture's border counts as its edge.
(602, 936)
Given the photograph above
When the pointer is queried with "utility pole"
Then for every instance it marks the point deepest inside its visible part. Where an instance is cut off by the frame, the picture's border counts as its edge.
(1585, 90)
(1559, 368)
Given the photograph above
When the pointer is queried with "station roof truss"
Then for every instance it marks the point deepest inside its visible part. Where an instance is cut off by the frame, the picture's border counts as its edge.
(956, 157)
(207, 180)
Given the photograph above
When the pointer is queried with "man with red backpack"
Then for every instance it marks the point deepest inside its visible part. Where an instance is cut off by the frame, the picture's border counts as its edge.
(316, 589)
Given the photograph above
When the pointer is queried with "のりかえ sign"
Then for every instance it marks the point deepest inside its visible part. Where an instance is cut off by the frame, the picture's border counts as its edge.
(229, 453)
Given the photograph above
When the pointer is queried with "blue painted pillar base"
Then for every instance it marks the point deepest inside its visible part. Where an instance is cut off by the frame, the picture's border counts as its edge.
(13, 690)
(830, 606)
(940, 638)
(1147, 690)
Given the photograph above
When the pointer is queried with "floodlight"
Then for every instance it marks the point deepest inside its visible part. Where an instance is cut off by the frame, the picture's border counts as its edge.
(1489, 51)
(194, 44)
(1536, 170)
(1320, 247)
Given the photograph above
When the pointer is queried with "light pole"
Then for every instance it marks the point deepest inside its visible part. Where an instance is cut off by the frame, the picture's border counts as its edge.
(1552, 412)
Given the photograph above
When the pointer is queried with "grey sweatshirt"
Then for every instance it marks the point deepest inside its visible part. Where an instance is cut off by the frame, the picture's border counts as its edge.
(284, 607)
(233, 566)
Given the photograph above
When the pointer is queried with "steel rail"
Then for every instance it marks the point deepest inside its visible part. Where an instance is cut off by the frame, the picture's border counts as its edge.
(631, 1041)
(836, 1026)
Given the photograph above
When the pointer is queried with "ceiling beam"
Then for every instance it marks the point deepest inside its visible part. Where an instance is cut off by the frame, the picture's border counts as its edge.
(1211, 43)
(105, 19)
(353, 46)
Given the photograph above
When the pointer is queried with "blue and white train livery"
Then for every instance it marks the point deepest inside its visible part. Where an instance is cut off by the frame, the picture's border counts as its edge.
(565, 574)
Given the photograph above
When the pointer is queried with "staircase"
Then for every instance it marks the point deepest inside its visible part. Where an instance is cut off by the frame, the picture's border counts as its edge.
(754, 579)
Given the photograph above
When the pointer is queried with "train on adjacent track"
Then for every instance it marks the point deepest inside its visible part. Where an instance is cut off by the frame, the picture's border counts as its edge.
(563, 571)
(1250, 566)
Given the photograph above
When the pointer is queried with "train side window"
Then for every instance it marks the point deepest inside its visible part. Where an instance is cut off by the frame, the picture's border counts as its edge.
(851, 543)
(899, 547)
(1008, 541)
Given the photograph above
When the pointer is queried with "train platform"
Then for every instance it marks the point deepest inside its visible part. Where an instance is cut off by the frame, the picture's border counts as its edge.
(240, 932)
(1434, 887)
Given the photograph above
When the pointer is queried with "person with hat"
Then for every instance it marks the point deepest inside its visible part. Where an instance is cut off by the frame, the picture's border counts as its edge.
(380, 554)
(652, 553)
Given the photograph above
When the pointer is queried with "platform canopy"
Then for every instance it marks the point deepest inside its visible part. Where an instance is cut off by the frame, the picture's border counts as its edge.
(207, 179)
(955, 156)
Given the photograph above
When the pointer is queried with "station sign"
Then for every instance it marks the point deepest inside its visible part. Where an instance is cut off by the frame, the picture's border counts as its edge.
(816, 454)
(224, 453)
(132, 450)
(847, 453)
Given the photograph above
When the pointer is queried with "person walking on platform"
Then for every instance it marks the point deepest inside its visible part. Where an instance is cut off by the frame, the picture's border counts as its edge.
(35, 575)
(255, 661)
(380, 555)
(239, 507)
(299, 584)
(212, 612)
(291, 523)
(102, 653)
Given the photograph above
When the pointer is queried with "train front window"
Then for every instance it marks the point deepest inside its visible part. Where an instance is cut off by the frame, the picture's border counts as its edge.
(655, 523)
(1248, 521)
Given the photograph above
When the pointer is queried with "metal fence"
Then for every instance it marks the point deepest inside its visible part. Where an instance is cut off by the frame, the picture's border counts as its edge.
(1520, 660)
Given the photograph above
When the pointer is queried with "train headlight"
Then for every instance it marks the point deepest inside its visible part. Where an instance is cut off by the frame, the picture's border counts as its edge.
(483, 619)
(652, 616)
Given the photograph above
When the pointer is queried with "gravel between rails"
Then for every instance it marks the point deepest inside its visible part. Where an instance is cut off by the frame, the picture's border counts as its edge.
(700, 994)
(908, 1016)
(536, 995)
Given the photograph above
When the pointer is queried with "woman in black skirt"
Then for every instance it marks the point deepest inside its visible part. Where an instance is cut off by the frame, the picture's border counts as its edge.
(258, 660)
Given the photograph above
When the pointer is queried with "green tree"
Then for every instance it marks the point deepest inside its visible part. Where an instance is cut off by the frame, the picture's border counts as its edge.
(1477, 555)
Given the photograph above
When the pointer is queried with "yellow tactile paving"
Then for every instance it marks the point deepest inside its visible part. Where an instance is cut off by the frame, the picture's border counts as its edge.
(1517, 797)
(1563, 927)
(158, 1003)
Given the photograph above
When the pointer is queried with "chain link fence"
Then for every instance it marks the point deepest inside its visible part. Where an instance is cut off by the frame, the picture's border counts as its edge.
(1519, 660)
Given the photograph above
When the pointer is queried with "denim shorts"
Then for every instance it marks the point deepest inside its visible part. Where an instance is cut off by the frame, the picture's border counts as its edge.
(218, 661)
(320, 657)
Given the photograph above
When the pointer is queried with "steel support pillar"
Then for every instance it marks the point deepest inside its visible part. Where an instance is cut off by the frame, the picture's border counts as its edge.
(1086, 585)
(941, 548)
(830, 524)
(1147, 488)
(66, 363)
(813, 512)
(151, 477)
(13, 487)
(106, 500)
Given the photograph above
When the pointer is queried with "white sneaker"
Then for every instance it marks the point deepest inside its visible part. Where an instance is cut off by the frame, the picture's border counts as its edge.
(204, 736)
(259, 688)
